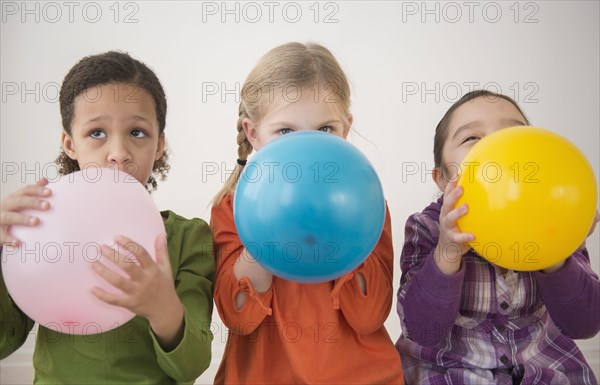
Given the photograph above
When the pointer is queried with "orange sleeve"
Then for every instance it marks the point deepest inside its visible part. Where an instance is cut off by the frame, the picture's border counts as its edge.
(228, 248)
(366, 313)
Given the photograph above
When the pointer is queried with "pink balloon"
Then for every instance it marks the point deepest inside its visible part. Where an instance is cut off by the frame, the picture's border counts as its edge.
(49, 276)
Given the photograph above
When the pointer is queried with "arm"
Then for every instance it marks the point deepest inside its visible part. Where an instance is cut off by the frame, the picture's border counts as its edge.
(572, 296)
(173, 293)
(241, 307)
(14, 324)
(365, 295)
(428, 300)
(192, 258)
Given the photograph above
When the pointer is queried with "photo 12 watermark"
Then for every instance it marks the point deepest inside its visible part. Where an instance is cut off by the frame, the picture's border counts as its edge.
(453, 12)
(29, 173)
(522, 253)
(274, 172)
(53, 12)
(269, 331)
(91, 332)
(223, 92)
(253, 12)
(49, 92)
(30, 92)
(451, 92)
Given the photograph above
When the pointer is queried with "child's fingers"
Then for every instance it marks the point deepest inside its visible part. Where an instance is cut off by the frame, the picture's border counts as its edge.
(162, 253)
(136, 251)
(450, 198)
(126, 262)
(461, 238)
(111, 299)
(35, 190)
(42, 182)
(450, 186)
(455, 215)
(6, 238)
(12, 218)
(23, 202)
(594, 223)
(111, 277)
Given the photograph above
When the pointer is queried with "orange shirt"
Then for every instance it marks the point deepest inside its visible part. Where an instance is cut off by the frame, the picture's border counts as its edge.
(299, 333)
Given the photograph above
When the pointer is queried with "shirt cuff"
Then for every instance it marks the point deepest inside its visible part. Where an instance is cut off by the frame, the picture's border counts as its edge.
(553, 284)
(193, 351)
(263, 300)
(437, 285)
(339, 284)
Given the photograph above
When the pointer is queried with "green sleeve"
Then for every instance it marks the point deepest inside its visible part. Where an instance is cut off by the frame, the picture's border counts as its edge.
(192, 258)
(14, 324)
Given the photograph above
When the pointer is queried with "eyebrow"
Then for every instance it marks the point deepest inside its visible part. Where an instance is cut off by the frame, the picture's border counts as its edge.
(287, 124)
(105, 117)
(514, 121)
(470, 125)
(463, 128)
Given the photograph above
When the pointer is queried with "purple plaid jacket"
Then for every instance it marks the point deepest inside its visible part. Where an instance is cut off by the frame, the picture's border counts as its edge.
(480, 327)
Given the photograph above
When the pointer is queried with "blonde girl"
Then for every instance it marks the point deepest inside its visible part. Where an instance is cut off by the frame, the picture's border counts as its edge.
(284, 332)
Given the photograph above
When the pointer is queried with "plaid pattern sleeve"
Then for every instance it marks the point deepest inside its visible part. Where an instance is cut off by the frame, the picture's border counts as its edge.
(478, 326)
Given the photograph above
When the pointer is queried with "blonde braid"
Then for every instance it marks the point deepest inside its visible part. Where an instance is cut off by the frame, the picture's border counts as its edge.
(244, 150)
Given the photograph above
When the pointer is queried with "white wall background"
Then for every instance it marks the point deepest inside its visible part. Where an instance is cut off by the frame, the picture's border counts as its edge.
(407, 62)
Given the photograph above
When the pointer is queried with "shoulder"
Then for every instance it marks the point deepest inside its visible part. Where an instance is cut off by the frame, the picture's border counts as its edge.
(190, 245)
(222, 212)
(175, 223)
(430, 216)
(224, 205)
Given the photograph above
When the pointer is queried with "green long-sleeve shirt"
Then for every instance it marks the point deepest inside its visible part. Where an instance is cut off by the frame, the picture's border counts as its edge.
(129, 354)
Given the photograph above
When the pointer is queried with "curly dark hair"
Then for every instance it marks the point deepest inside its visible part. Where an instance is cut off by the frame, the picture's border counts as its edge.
(108, 68)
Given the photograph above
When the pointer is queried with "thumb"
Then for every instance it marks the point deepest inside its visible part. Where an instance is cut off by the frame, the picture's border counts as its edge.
(160, 246)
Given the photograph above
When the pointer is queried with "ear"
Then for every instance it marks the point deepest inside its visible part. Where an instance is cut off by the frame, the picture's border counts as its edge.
(160, 149)
(251, 132)
(68, 145)
(437, 174)
(347, 127)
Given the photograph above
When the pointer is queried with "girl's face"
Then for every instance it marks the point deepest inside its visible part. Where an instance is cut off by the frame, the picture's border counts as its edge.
(468, 124)
(301, 115)
(115, 126)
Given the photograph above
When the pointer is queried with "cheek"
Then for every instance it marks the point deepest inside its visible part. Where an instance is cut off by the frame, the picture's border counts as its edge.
(451, 170)
(263, 139)
(454, 156)
(341, 133)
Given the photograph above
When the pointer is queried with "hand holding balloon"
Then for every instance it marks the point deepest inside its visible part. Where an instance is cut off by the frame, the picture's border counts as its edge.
(29, 197)
(531, 196)
(148, 289)
(48, 274)
(592, 228)
(452, 243)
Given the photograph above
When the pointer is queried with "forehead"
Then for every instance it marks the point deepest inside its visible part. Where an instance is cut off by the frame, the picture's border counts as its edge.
(484, 109)
(308, 105)
(125, 96)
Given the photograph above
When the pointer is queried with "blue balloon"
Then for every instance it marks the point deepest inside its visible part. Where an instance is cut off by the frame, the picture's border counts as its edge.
(309, 207)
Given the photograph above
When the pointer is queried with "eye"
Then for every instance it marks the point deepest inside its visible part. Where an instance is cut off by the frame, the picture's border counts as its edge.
(470, 138)
(328, 129)
(284, 131)
(137, 133)
(97, 134)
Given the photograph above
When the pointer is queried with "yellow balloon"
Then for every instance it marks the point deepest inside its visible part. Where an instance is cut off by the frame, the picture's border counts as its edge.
(531, 196)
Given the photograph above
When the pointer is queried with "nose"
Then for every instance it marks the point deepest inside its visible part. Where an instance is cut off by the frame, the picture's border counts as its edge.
(119, 154)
